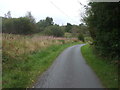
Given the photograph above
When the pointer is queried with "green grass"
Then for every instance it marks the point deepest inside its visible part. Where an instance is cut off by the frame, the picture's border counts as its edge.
(23, 71)
(108, 73)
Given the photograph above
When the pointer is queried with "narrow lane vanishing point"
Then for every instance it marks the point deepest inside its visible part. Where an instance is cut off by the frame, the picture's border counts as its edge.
(69, 70)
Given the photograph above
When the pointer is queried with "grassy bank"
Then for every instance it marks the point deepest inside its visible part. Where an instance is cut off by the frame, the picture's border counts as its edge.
(15, 45)
(108, 73)
(25, 58)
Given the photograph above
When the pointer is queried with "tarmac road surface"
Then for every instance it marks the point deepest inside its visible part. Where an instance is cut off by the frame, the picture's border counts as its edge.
(69, 70)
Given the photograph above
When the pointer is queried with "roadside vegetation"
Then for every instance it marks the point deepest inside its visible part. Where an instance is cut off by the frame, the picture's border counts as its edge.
(30, 47)
(15, 45)
(27, 25)
(103, 24)
(103, 53)
(26, 57)
(106, 71)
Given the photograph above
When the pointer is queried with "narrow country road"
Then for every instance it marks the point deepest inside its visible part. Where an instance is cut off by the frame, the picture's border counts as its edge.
(69, 70)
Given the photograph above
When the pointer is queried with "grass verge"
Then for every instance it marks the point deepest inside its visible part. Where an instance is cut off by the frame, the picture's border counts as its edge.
(23, 71)
(108, 73)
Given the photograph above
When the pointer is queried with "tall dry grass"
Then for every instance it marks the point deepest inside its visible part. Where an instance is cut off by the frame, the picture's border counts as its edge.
(15, 45)
(21, 66)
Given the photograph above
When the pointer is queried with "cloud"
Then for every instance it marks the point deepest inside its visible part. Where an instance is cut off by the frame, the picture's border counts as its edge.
(62, 11)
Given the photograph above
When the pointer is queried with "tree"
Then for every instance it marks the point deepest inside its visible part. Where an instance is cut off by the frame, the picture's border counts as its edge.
(42, 24)
(23, 25)
(102, 21)
(81, 37)
(20, 25)
(7, 25)
(74, 31)
(8, 15)
(68, 27)
(54, 30)
(32, 21)
(84, 30)
(29, 15)
(49, 21)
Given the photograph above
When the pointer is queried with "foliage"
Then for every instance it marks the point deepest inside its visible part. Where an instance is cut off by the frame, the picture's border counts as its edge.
(88, 39)
(42, 24)
(8, 15)
(32, 19)
(23, 71)
(54, 31)
(68, 27)
(25, 57)
(15, 45)
(68, 35)
(83, 29)
(27, 25)
(81, 37)
(102, 21)
(21, 25)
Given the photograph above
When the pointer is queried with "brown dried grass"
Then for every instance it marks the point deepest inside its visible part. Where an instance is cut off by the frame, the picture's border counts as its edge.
(14, 45)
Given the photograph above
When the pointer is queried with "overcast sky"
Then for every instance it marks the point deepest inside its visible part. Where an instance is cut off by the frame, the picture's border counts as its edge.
(62, 11)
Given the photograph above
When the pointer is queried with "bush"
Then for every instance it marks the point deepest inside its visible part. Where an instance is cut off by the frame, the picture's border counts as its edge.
(81, 37)
(54, 31)
(102, 21)
(21, 25)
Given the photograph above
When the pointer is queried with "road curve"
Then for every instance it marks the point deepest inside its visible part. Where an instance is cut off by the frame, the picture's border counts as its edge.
(69, 70)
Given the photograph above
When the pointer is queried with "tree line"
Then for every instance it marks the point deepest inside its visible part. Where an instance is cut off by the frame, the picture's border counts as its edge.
(28, 25)
(21, 25)
(102, 21)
